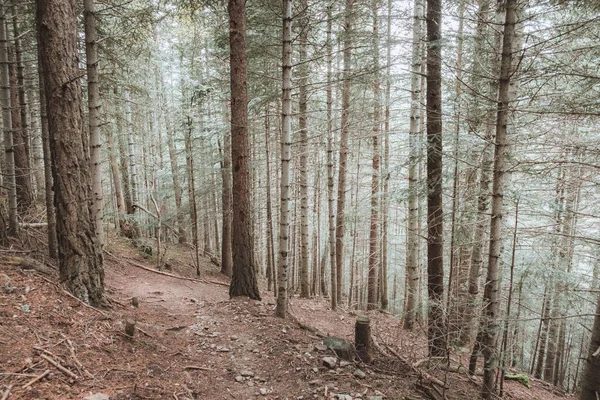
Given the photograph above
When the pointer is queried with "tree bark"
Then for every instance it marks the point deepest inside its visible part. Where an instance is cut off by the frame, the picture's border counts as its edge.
(330, 168)
(80, 256)
(372, 298)
(590, 381)
(343, 161)
(48, 179)
(412, 240)
(9, 153)
(303, 118)
(490, 319)
(91, 51)
(477, 117)
(286, 139)
(189, 161)
(243, 281)
(435, 235)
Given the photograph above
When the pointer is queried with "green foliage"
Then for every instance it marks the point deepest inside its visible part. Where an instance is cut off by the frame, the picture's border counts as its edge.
(522, 378)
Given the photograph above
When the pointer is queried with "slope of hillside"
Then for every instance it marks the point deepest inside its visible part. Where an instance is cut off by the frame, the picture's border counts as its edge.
(193, 342)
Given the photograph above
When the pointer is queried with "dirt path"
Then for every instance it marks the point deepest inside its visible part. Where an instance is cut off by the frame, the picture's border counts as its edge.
(193, 343)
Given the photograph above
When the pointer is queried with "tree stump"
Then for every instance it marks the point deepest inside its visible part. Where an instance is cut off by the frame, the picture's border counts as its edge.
(130, 328)
(362, 339)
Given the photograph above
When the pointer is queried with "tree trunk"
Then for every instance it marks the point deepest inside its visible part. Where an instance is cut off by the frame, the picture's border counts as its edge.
(10, 180)
(91, 52)
(114, 169)
(590, 382)
(20, 127)
(435, 234)
(303, 116)
(270, 241)
(330, 170)
(286, 156)
(477, 117)
(183, 236)
(226, 200)
(48, 179)
(80, 256)
(243, 281)
(343, 161)
(490, 319)
(372, 301)
(189, 161)
(412, 240)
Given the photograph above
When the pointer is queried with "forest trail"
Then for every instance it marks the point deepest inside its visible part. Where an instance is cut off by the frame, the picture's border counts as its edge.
(193, 342)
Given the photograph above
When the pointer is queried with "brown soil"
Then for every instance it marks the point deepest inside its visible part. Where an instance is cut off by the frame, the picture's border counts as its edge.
(193, 342)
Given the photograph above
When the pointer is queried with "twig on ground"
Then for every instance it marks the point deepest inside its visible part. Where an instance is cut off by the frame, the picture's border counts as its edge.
(37, 378)
(59, 366)
(425, 375)
(144, 332)
(197, 367)
(87, 305)
(8, 389)
(78, 363)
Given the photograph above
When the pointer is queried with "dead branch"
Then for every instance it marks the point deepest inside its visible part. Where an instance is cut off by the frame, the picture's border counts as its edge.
(59, 367)
(135, 264)
(34, 380)
(424, 375)
(197, 367)
(8, 389)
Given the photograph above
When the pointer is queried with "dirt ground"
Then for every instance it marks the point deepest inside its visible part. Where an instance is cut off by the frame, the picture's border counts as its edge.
(193, 342)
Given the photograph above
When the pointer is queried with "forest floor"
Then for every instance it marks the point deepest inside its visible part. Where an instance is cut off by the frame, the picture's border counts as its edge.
(194, 342)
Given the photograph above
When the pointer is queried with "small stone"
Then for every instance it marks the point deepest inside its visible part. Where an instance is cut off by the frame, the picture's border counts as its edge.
(250, 383)
(223, 349)
(263, 391)
(239, 378)
(360, 374)
(344, 397)
(330, 362)
(315, 370)
(97, 396)
(375, 398)
(320, 347)
(344, 363)
(233, 337)
(246, 373)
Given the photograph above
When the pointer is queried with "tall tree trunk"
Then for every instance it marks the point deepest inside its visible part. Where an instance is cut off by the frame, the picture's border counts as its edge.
(590, 382)
(189, 161)
(226, 200)
(25, 195)
(435, 234)
(303, 117)
(271, 273)
(385, 203)
(80, 256)
(114, 169)
(48, 179)
(10, 180)
(477, 117)
(286, 156)
(28, 196)
(181, 230)
(490, 319)
(372, 301)
(330, 169)
(343, 161)
(243, 280)
(91, 52)
(412, 240)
